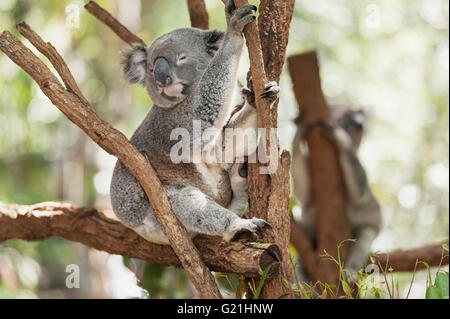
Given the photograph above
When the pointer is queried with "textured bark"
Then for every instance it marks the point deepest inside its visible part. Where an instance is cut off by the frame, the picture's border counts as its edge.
(274, 26)
(198, 14)
(92, 228)
(114, 142)
(269, 194)
(332, 226)
(104, 16)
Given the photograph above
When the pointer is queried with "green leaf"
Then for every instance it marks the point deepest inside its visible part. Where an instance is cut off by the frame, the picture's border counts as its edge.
(433, 293)
(261, 283)
(346, 288)
(441, 283)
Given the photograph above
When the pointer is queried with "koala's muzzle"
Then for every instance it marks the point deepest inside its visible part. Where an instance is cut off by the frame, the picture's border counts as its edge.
(161, 72)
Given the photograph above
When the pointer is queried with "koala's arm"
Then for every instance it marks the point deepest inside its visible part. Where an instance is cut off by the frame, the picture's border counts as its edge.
(212, 102)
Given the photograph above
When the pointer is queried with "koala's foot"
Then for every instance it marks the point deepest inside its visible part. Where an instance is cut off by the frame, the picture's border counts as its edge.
(271, 91)
(239, 224)
(337, 135)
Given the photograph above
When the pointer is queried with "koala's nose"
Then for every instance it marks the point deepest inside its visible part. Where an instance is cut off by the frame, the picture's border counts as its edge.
(161, 72)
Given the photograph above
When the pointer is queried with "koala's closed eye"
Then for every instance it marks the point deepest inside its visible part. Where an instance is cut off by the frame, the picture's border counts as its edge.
(181, 59)
(213, 41)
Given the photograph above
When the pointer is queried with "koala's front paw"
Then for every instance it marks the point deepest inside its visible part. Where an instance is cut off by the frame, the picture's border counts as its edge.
(237, 19)
(337, 135)
(271, 91)
(239, 224)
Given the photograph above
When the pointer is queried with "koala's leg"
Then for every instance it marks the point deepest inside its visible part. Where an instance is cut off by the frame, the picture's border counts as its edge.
(200, 215)
(359, 251)
(196, 211)
(239, 185)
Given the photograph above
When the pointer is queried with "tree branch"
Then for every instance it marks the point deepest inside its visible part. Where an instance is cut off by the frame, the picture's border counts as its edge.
(115, 143)
(332, 226)
(92, 228)
(399, 260)
(118, 28)
(405, 260)
(269, 194)
(198, 14)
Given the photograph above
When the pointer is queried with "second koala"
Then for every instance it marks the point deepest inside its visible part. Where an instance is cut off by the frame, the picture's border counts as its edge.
(191, 75)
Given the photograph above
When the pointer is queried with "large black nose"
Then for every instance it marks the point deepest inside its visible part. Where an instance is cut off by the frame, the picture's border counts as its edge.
(161, 72)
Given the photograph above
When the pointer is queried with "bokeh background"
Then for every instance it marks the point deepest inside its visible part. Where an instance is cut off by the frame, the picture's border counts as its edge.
(390, 57)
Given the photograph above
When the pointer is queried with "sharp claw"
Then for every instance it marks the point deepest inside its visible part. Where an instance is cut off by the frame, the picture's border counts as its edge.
(247, 91)
(272, 89)
(266, 224)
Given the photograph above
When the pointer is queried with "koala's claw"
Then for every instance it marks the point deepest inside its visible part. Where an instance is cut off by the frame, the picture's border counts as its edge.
(271, 91)
(237, 19)
(261, 223)
(252, 225)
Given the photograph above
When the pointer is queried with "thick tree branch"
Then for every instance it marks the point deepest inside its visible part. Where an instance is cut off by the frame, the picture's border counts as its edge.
(198, 14)
(405, 260)
(91, 228)
(118, 28)
(332, 226)
(269, 194)
(115, 143)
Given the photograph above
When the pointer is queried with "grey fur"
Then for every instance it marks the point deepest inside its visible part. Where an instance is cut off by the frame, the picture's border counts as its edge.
(206, 198)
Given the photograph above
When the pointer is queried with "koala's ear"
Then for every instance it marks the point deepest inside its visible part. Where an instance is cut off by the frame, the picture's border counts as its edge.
(135, 64)
(213, 40)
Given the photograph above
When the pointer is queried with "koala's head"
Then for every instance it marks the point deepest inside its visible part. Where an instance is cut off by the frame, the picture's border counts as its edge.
(352, 121)
(173, 64)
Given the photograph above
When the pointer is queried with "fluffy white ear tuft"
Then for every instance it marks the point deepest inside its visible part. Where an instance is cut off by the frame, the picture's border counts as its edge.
(135, 64)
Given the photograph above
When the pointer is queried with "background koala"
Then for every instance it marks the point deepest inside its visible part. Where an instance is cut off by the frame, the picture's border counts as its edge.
(346, 129)
(191, 74)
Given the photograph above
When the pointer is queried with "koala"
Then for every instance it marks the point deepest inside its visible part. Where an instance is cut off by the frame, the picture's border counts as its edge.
(345, 129)
(191, 77)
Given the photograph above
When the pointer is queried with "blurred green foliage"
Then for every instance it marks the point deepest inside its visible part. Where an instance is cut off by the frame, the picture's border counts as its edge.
(389, 56)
